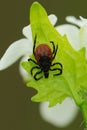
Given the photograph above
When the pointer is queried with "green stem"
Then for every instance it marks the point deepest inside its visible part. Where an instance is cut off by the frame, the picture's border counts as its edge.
(84, 111)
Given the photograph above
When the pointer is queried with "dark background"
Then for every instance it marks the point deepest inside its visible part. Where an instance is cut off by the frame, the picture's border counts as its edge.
(17, 112)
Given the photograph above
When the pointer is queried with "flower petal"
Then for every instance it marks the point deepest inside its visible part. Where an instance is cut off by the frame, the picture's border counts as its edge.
(60, 115)
(53, 19)
(27, 30)
(83, 37)
(14, 52)
(72, 33)
(84, 20)
(73, 20)
(24, 74)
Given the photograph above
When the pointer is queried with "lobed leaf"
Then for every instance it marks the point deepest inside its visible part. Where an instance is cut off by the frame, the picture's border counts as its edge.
(72, 82)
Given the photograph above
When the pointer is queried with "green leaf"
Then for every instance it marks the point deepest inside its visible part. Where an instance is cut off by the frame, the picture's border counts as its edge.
(72, 83)
(41, 25)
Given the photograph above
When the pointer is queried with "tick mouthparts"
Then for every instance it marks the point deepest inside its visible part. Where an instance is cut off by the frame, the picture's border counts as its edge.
(46, 74)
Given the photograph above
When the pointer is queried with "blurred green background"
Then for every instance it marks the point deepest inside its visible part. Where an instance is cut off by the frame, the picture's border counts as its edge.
(17, 112)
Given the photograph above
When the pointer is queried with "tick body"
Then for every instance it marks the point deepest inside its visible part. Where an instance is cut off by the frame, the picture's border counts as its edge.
(44, 57)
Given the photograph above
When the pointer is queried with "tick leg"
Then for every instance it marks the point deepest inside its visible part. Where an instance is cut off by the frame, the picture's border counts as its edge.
(57, 63)
(54, 49)
(53, 46)
(33, 61)
(55, 52)
(59, 69)
(35, 67)
(35, 76)
(34, 45)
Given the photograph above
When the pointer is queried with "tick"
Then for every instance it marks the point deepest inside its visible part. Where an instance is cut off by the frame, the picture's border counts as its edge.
(44, 57)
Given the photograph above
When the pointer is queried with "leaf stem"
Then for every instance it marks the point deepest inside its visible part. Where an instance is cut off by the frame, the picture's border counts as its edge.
(84, 112)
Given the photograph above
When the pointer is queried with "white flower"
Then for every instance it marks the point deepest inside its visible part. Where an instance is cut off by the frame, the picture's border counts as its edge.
(77, 35)
(23, 48)
(60, 115)
(79, 22)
